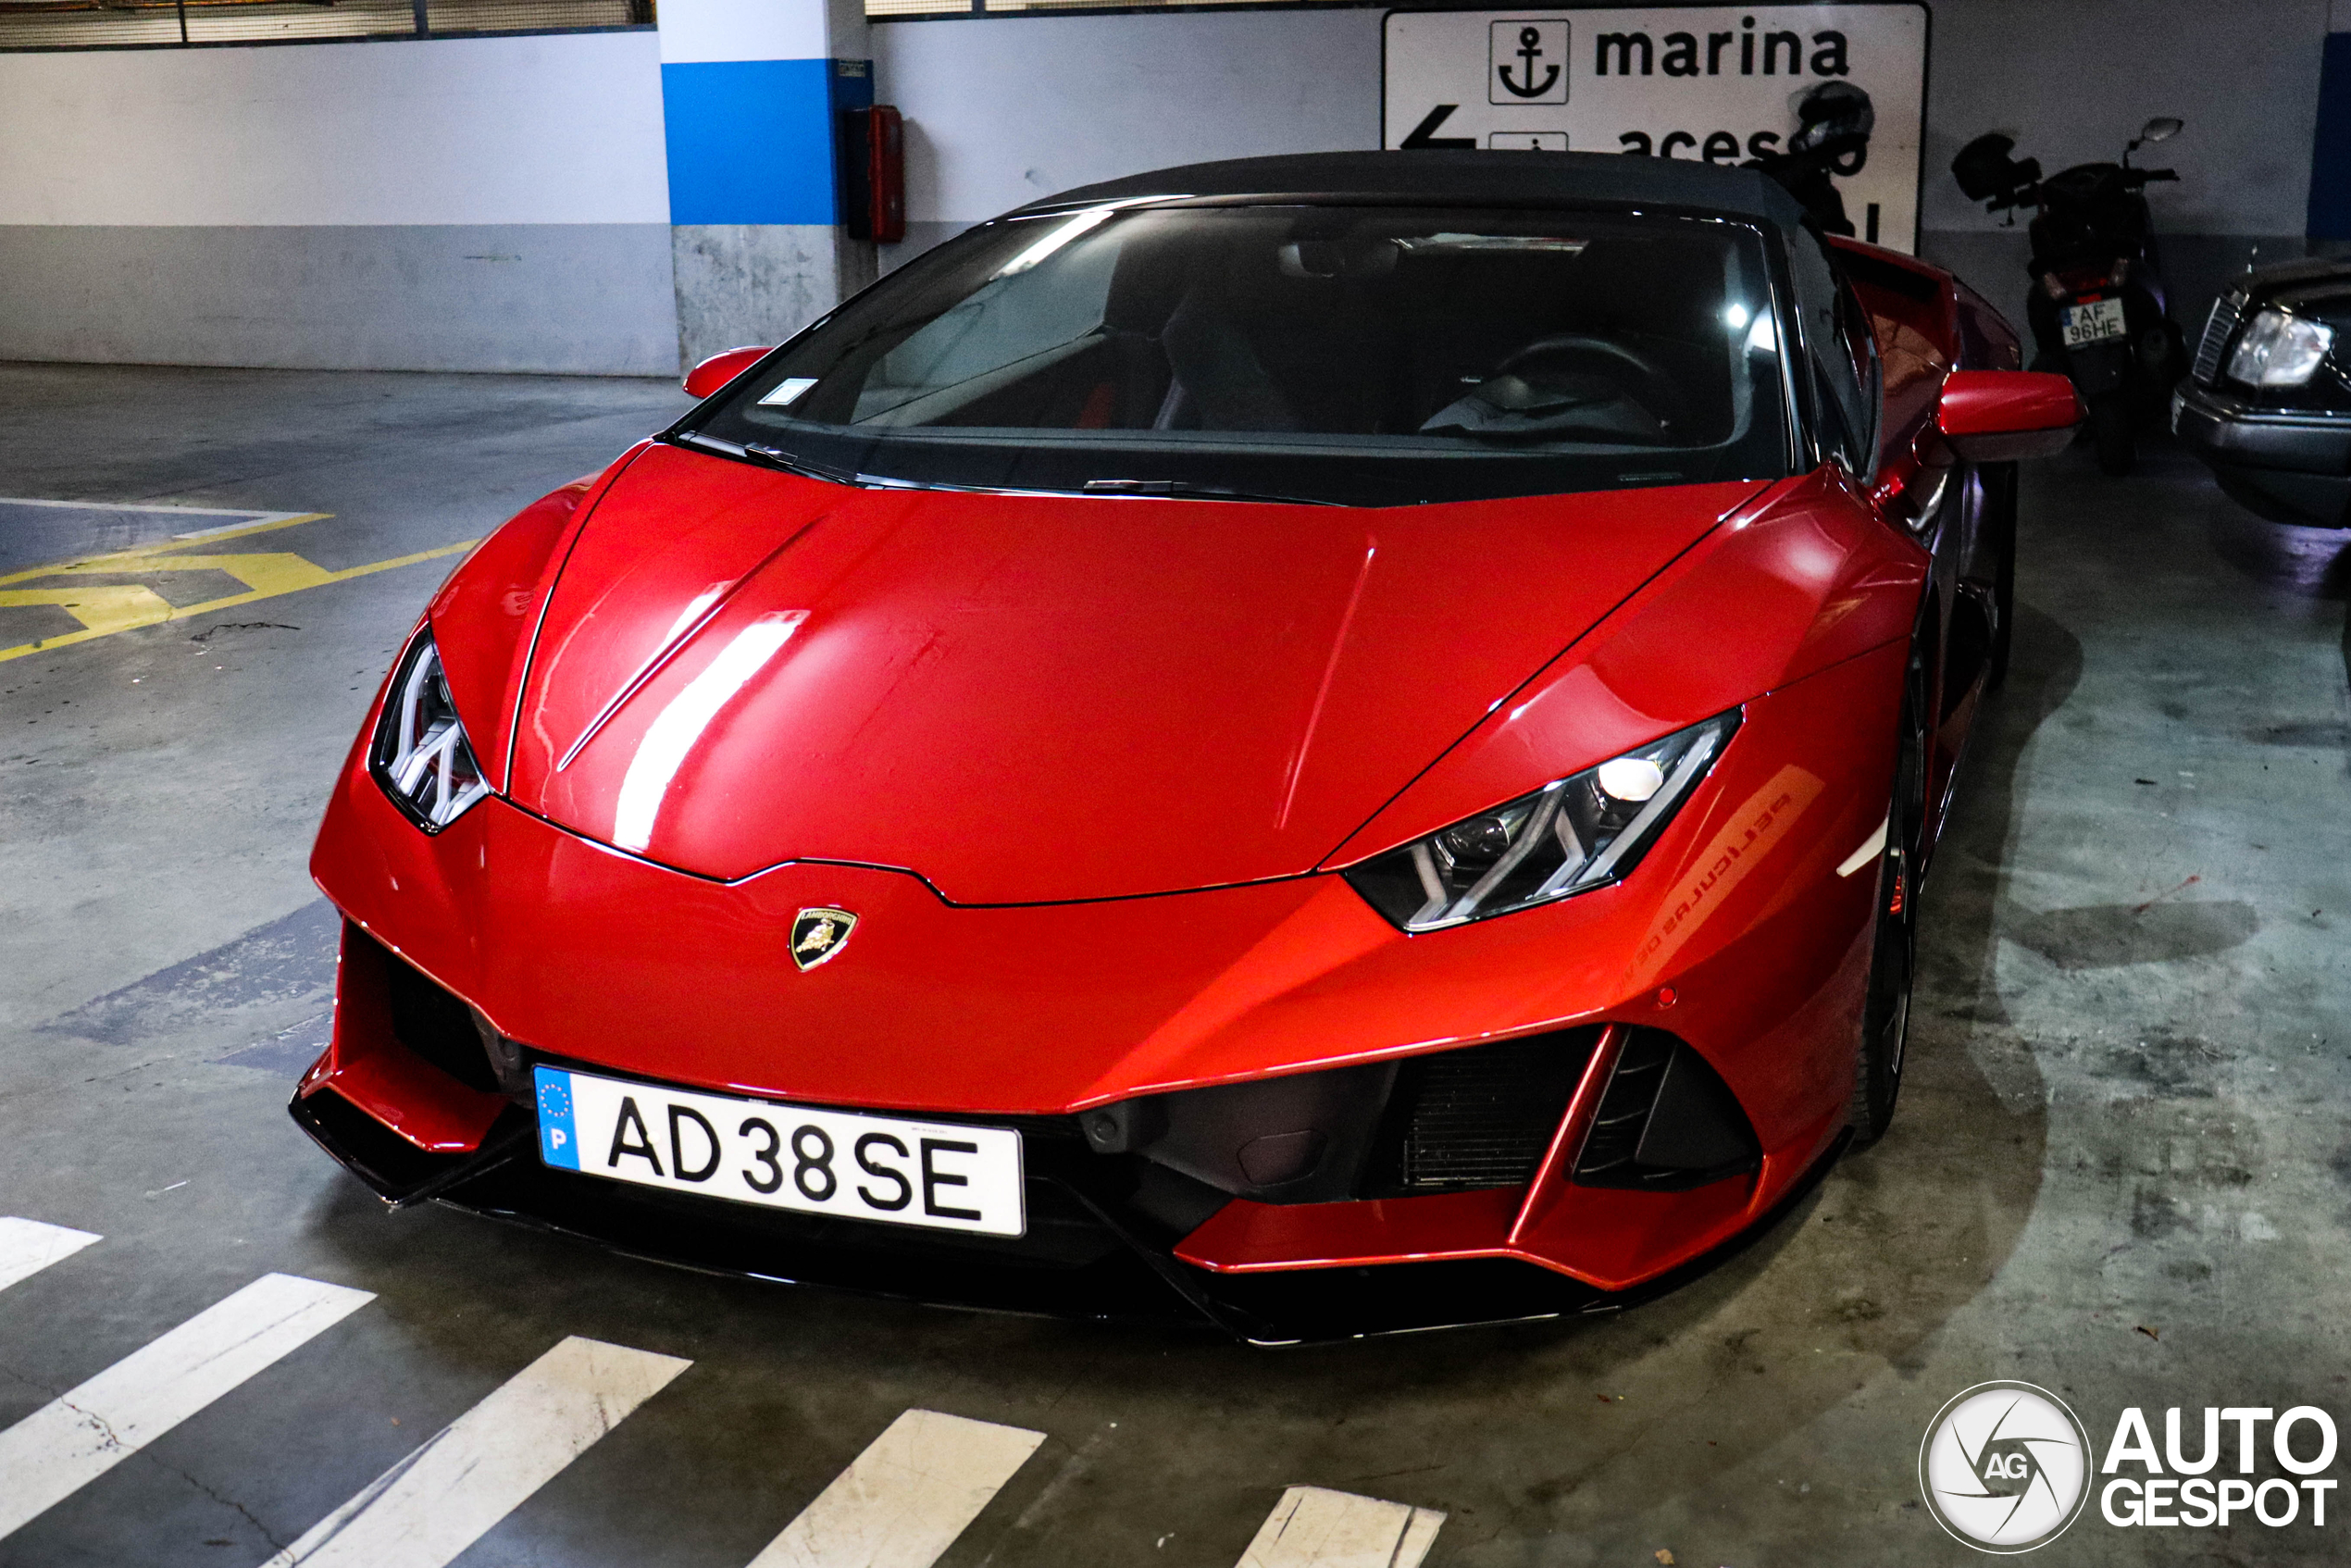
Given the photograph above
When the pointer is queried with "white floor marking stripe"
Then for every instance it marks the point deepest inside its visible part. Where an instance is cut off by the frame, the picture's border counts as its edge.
(27, 1247)
(251, 518)
(903, 1503)
(1870, 849)
(433, 1505)
(77, 1437)
(1314, 1529)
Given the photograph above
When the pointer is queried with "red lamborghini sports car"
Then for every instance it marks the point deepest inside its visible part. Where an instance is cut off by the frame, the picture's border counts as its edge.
(1331, 743)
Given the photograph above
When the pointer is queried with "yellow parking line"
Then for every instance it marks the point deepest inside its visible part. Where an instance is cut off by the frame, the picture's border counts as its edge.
(100, 609)
(105, 610)
(281, 572)
(95, 563)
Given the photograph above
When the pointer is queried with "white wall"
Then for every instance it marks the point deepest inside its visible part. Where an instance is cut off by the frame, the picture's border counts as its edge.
(567, 129)
(1003, 110)
(561, 129)
(495, 204)
(2074, 82)
(502, 203)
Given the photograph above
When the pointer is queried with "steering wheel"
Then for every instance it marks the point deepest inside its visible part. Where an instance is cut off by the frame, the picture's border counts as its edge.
(1642, 379)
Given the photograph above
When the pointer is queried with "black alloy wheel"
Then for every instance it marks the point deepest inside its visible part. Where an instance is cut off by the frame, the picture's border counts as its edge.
(1886, 1014)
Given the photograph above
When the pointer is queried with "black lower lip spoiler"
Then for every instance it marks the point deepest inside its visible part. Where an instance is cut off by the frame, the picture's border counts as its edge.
(1136, 1278)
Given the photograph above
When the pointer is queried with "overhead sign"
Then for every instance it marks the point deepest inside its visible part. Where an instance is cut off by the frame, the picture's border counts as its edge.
(1717, 84)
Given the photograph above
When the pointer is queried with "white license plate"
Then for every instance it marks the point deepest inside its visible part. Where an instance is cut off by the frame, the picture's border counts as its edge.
(2094, 322)
(941, 1175)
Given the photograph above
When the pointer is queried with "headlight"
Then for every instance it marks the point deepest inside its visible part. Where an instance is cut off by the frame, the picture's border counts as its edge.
(2279, 350)
(420, 755)
(1584, 833)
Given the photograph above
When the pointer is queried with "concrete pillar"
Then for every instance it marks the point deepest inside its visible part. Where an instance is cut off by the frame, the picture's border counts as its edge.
(751, 95)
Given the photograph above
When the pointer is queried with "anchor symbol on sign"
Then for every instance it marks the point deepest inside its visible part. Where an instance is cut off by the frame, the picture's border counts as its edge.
(1530, 49)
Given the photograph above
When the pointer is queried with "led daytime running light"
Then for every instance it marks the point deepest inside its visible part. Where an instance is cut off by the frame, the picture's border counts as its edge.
(1586, 831)
(420, 755)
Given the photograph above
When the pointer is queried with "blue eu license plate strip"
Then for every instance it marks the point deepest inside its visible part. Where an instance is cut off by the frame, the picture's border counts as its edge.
(558, 1137)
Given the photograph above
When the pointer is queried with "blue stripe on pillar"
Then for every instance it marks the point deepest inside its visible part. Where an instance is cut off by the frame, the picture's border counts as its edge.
(2330, 146)
(750, 141)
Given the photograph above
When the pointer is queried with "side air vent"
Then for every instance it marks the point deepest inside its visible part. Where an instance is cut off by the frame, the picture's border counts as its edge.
(434, 1025)
(1666, 1122)
(1481, 1116)
(2219, 328)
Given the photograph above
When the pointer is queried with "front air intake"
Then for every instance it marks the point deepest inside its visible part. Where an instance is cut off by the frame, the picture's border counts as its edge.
(1483, 1116)
(1666, 1122)
(433, 1023)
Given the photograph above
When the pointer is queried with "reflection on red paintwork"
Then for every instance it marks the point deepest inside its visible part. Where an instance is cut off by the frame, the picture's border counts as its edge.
(671, 738)
(1055, 697)
(1756, 826)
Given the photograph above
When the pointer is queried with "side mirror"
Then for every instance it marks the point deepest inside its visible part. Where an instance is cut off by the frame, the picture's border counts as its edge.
(1999, 416)
(2161, 128)
(720, 368)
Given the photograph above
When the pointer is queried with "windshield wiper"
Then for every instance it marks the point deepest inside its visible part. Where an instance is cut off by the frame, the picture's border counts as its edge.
(800, 465)
(1180, 489)
(774, 457)
(1186, 490)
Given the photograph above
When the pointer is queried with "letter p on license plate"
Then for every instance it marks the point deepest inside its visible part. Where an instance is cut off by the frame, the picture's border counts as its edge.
(940, 1175)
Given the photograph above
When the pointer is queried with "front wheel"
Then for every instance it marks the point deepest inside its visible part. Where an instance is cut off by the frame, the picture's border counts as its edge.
(1886, 1014)
(2110, 432)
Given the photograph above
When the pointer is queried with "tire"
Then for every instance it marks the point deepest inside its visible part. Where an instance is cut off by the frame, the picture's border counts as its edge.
(2110, 432)
(1886, 1014)
(2000, 529)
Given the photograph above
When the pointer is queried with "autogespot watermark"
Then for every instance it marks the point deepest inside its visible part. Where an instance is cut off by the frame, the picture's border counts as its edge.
(2008, 1467)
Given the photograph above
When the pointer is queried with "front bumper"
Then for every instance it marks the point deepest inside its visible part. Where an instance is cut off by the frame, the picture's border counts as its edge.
(2289, 468)
(410, 1099)
(565, 950)
(1094, 1266)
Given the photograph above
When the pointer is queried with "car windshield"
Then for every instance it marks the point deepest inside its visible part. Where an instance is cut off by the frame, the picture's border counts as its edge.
(1362, 355)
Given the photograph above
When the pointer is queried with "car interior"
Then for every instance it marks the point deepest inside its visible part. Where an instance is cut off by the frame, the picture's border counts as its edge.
(1499, 328)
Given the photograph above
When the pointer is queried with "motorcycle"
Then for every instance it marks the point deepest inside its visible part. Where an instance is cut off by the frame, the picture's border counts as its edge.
(2097, 308)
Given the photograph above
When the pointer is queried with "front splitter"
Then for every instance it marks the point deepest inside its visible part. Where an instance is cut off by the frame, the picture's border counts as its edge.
(1132, 1277)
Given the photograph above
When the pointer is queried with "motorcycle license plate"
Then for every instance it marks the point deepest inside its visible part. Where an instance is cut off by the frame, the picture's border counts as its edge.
(2094, 322)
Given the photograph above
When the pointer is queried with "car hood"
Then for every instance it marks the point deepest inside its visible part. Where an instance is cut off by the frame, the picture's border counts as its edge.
(1030, 699)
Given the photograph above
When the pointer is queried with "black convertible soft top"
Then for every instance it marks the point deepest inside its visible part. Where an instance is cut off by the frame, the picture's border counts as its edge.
(1470, 177)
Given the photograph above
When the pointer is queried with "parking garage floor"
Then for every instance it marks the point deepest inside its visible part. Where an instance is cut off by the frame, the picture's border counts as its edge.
(2120, 1169)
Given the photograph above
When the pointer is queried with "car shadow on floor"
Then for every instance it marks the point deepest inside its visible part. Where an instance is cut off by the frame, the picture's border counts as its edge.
(2308, 562)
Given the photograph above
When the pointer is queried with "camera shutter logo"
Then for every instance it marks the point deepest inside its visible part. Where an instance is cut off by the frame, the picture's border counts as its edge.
(2005, 1467)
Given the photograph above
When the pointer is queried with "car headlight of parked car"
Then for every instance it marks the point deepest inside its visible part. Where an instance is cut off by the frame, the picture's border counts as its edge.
(420, 755)
(2279, 350)
(1585, 831)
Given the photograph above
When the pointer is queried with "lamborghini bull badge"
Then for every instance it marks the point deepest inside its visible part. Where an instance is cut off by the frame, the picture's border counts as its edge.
(819, 934)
